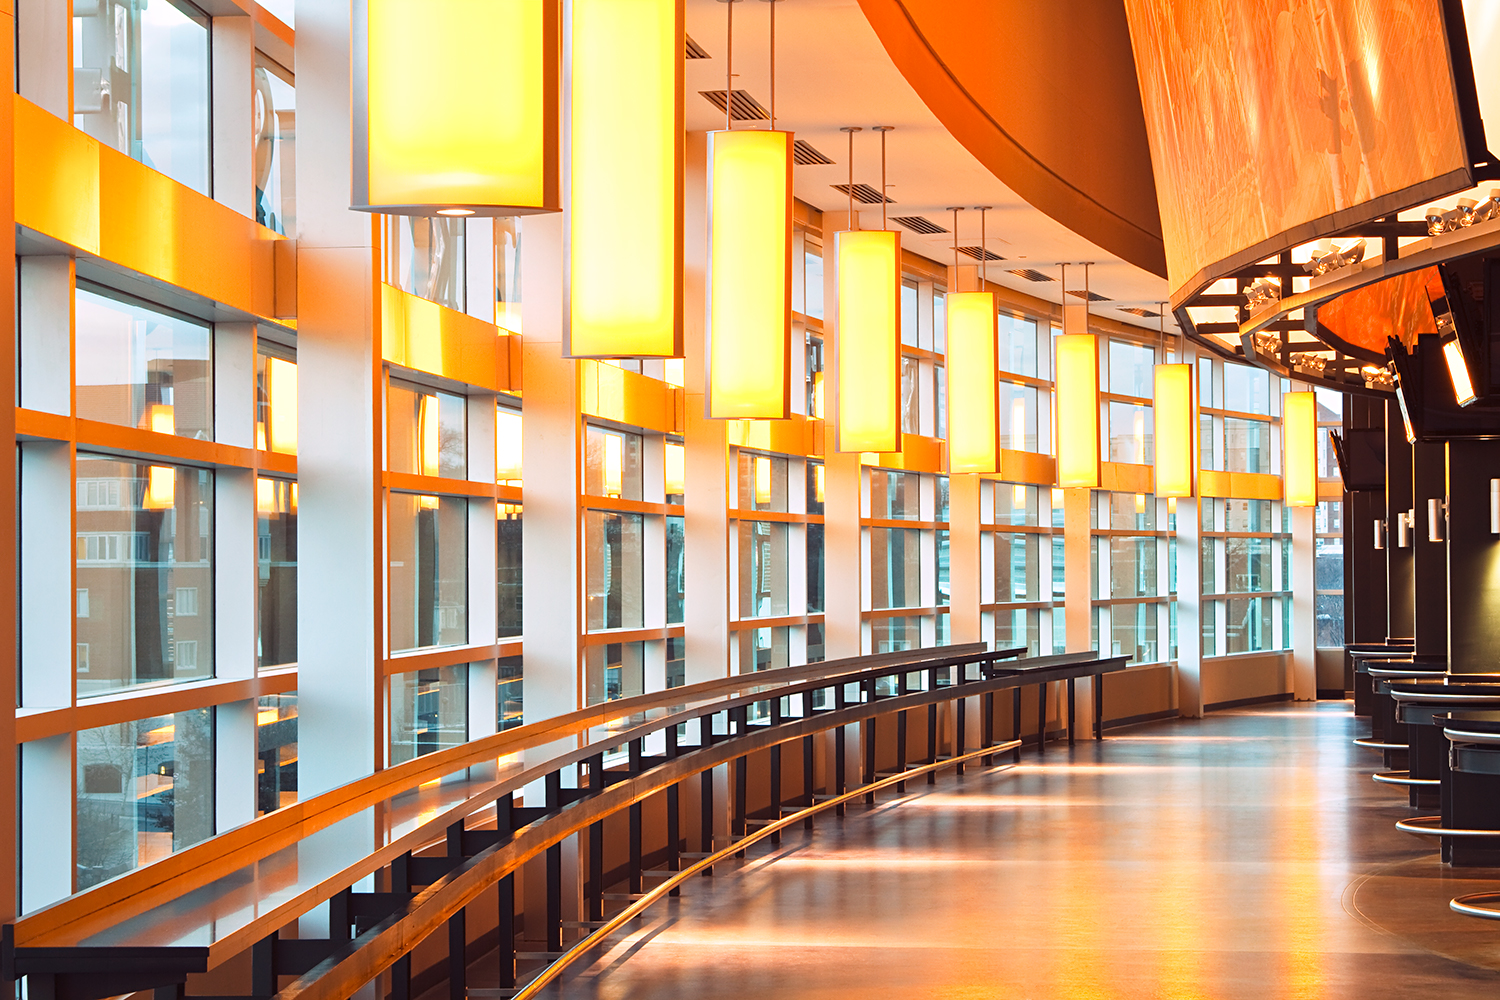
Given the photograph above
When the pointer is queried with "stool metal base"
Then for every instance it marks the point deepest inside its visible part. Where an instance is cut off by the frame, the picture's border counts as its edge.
(1430, 826)
(1475, 905)
(1371, 743)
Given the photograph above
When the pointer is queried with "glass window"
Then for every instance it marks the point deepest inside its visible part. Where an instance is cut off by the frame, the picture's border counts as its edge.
(614, 565)
(1131, 369)
(1017, 345)
(891, 635)
(1018, 627)
(509, 695)
(429, 570)
(276, 752)
(816, 487)
(910, 329)
(144, 552)
(815, 645)
(1131, 433)
(138, 367)
(815, 571)
(940, 322)
(425, 257)
(1015, 503)
(1248, 624)
(276, 562)
(275, 123)
(763, 649)
(762, 568)
(1247, 445)
(507, 446)
(676, 662)
(676, 569)
(944, 589)
(895, 568)
(812, 284)
(1017, 566)
(815, 377)
(1328, 523)
(611, 463)
(141, 83)
(1018, 417)
(508, 567)
(429, 711)
(940, 398)
(911, 396)
(426, 432)
(763, 482)
(894, 495)
(1246, 389)
(275, 404)
(145, 789)
(1133, 629)
(615, 670)
(675, 484)
(507, 235)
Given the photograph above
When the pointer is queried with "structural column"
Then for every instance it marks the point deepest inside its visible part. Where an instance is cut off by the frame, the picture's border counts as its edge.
(1473, 557)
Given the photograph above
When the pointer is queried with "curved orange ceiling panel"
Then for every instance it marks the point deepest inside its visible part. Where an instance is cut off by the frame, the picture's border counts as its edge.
(1044, 95)
(1361, 322)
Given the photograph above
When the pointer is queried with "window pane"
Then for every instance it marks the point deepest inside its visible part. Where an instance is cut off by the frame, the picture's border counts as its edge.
(762, 482)
(508, 695)
(616, 670)
(145, 789)
(1133, 632)
(507, 236)
(676, 569)
(425, 257)
(815, 377)
(275, 404)
(1248, 624)
(276, 559)
(1131, 433)
(1247, 445)
(429, 711)
(762, 568)
(1018, 346)
(1132, 567)
(1246, 389)
(611, 463)
(911, 396)
(145, 573)
(141, 84)
(1016, 567)
(1018, 417)
(763, 649)
(508, 534)
(909, 326)
(895, 568)
(276, 752)
(275, 124)
(815, 568)
(1131, 369)
(614, 566)
(812, 284)
(1019, 627)
(944, 589)
(141, 368)
(891, 635)
(429, 569)
(894, 495)
(426, 432)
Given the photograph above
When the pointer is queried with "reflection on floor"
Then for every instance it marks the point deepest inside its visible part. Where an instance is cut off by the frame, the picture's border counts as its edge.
(1247, 854)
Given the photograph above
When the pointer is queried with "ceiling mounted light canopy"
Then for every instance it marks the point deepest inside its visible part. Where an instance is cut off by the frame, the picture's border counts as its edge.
(973, 392)
(868, 337)
(456, 107)
(749, 336)
(626, 176)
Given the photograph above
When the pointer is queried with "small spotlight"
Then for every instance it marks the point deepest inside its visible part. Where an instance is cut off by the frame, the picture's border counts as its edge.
(455, 211)
(1495, 506)
(1437, 516)
(1379, 534)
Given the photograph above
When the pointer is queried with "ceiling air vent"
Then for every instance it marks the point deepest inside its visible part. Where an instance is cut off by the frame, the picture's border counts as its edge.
(976, 253)
(863, 193)
(1138, 311)
(694, 50)
(805, 154)
(1031, 274)
(1079, 293)
(917, 224)
(745, 109)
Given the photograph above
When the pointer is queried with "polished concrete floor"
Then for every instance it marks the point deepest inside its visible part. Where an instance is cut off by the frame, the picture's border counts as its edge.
(1247, 854)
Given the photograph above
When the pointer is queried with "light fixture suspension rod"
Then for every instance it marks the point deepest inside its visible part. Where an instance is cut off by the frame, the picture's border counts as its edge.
(773, 65)
(883, 129)
(849, 188)
(984, 247)
(729, 69)
(957, 279)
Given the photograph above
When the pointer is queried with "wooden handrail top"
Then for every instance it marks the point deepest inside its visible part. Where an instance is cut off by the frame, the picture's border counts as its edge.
(197, 866)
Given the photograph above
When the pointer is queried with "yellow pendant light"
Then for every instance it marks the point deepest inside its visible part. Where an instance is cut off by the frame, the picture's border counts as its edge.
(455, 107)
(1299, 441)
(1077, 391)
(626, 177)
(868, 341)
(973, 392)
(750, 261)
(1176, 415)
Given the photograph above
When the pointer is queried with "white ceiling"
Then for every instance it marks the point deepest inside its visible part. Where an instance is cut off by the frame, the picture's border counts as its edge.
(832, 71)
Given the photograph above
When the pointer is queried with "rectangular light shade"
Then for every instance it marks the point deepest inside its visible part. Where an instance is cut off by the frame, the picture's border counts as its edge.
(625, 240)
(749, 274)
(455, 106)
(1077, 370)
(1458, 373)
(1299, 440)
(1176, 426)
(973, 395)
(868, 345)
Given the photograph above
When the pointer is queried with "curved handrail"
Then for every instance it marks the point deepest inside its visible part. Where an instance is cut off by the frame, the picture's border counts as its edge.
(375, 950)
(173, 876)
(660, 892)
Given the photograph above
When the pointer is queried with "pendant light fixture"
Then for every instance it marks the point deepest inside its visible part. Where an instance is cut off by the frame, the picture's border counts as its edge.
(441, 125)
(625, 176)
(750, 260)
(973, 391)
(1299, 442)
(1175, 411)
(1077, 392)
(868, 342)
